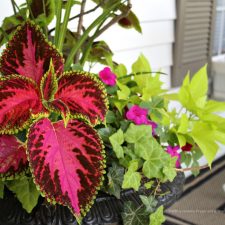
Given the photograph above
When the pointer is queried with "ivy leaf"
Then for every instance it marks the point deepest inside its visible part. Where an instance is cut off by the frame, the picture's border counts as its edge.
(149, 184)
(150, 203)
(115, 177)
(133, 215)
(110, 117)
(169, 169)
(117, 140)
(132, 179)
(157, 218)
(106, 132)
(25, 191)
(1, 189)
(135, 133)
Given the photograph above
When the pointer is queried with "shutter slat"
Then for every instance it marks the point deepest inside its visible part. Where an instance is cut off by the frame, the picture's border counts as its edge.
(193, 37)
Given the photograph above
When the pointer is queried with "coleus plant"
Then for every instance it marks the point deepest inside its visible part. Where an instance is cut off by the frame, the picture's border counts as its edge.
(57, 110)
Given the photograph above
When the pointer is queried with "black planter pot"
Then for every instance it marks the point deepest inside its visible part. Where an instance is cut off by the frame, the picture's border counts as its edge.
(105, 211)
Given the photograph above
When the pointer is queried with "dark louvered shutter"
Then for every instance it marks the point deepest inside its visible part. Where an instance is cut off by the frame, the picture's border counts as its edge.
(193, 37)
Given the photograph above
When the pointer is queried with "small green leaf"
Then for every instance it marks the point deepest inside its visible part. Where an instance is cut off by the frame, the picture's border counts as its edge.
(25, 191)
(157, 218)
(133, 215)
(149, 184)
(150, 203)
(1, 189)
(132, 179)
(117, 140)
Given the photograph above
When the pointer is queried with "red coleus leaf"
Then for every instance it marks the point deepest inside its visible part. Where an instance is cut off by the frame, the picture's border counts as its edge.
(28, 53)
(13, 159)
(84, 95)
(19, 99)
(67, 163)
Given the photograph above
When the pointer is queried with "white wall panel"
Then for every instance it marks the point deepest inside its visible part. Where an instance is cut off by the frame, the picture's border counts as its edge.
(153, 33)
(159, 55)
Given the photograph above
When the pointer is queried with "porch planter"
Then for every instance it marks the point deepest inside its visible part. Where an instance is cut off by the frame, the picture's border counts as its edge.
(105, 211)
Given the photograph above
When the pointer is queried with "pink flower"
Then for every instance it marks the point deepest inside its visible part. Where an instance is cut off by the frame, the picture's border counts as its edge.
(137, 114)
(173, 151)
(107, 76)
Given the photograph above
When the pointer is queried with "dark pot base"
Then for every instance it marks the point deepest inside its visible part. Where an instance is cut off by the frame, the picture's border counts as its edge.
(105, 211)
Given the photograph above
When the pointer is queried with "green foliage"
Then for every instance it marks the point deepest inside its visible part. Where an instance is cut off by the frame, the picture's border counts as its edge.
(25, 191)
(115, 179)
(133, 215)
(205, 137)
(42, 11)
(157, 218)
(124, 91)
(149, 202)
(132, 179)
(117, 140)
(1, 189)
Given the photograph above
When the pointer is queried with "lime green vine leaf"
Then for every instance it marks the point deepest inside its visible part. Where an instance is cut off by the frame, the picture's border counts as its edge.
(205, 137)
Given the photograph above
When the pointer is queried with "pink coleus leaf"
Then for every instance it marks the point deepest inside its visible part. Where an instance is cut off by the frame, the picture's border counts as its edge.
(49, 84)
(19, 99)
(84, 94)
(67, 163)
(13, 159)
(28, 53)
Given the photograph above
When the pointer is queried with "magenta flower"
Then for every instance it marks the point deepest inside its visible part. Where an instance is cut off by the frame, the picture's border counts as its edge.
(107, 76)
(173, 151)
(137, 114)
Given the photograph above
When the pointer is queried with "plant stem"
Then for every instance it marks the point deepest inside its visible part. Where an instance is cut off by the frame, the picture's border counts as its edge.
(139, 74)
(64, 25)
(100, 31)
(58, 21)
(31, 13)
(13, 6)
(86, 33)
(77, 16)
(192, 168)
(79, 28)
